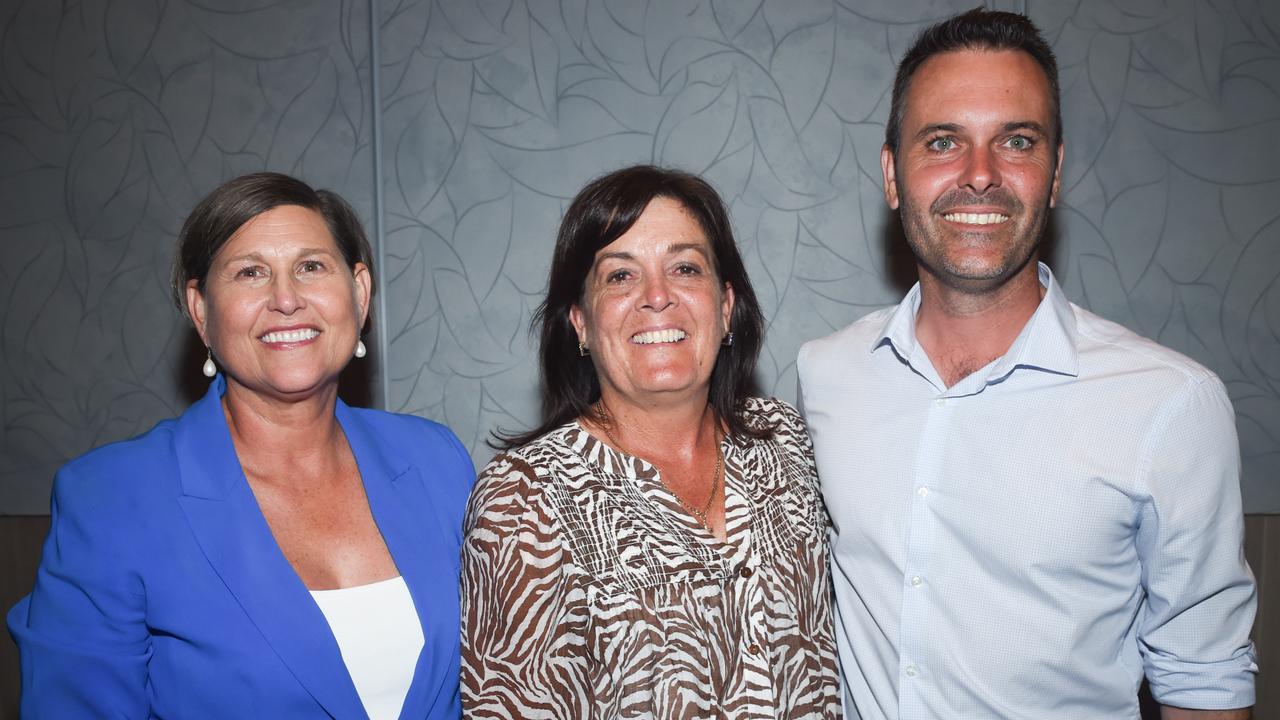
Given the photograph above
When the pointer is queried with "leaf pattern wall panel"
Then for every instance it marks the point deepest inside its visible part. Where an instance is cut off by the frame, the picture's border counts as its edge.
(497, 112)
(1171, 190)
(115, 118)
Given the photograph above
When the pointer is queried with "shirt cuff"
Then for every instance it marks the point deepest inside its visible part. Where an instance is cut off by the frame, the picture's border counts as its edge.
(1224, 685)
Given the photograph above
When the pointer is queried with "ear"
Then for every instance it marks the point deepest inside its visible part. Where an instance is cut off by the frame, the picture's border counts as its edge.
(364, 290)
(726, 307)
(197, 311)
(579, 320)
(1057, 177)
(890, 177)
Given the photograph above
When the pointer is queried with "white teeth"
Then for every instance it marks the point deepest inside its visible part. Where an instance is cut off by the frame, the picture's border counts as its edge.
(290, 336)
(658, 336)
(976, 218)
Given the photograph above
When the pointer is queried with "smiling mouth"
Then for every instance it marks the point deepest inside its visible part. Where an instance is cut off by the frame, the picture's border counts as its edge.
(654, 337)
(290, 336)
(976, 218)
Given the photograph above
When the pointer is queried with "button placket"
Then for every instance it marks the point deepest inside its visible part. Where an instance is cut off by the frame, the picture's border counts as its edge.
(917, 610)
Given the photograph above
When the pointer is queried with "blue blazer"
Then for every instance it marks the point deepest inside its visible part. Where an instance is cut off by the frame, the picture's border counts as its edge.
(162, 592)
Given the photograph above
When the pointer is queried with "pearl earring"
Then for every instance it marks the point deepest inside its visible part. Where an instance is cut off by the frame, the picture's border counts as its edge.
(209, 369)
(361, 351)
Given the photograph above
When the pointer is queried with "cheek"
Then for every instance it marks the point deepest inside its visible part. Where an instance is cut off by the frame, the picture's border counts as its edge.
(607, 313)
(222, 312)
(927, 184)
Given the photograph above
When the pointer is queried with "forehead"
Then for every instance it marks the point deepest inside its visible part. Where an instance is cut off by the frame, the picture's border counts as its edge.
(663, 223)
(969, 87)
(280, 230)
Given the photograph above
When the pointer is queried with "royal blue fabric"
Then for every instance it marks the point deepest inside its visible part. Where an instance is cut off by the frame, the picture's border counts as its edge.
(162, 593)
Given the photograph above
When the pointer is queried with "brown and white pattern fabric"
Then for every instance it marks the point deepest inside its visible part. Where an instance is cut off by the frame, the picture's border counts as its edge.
(588, 592)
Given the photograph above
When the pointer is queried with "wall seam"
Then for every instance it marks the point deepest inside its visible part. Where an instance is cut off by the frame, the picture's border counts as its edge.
(379, 239)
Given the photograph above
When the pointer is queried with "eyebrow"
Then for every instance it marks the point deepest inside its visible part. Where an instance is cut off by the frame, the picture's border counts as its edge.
(928, 130)
(672, 249)
(1031, 125)
(258, 257)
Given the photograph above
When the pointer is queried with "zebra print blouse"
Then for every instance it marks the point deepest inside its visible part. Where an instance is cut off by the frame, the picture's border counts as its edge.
(588, 592)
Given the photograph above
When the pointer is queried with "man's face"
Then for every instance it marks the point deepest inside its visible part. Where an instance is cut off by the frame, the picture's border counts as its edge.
(976, 171)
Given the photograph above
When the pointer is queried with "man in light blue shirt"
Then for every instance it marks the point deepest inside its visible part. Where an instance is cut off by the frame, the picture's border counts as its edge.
(1033, 507)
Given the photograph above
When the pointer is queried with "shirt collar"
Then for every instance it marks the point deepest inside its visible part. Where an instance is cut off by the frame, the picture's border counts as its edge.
(1047, 342)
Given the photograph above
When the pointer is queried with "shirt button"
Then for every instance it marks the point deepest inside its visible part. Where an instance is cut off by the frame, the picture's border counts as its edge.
(754, 649)
(916, 581)
(911, 671)
(940, 402)
(745, 571)
(923, 491)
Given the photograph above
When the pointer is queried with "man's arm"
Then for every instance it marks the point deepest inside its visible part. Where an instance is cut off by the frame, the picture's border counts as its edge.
(1200, 595)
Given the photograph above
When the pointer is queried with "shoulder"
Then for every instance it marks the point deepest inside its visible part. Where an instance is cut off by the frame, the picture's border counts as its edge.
(1108, 345)
(114, 496)
(772, 411)
(858, 335)
(123, 471)
(516, 479)
(788, 426)
(522, 468)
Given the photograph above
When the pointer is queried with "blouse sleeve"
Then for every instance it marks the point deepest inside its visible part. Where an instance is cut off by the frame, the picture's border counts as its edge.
(524, 611)
(82, 632)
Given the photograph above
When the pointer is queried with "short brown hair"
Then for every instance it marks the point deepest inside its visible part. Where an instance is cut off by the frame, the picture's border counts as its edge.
(976, 29)
(225, 210)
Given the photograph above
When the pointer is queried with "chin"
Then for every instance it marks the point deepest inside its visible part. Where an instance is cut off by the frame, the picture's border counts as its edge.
(296, 384)
(670, 382)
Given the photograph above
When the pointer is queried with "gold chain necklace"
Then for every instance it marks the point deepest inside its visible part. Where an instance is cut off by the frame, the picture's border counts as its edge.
(700, 515)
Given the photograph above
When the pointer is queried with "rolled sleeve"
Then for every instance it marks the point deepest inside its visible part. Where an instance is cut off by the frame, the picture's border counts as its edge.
(1200, 594)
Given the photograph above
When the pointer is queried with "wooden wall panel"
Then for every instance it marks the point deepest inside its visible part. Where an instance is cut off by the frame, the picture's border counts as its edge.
(1262, 547)
(21, 538)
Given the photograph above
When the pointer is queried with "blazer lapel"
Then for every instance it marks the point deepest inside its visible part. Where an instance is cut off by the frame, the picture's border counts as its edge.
(402, 505)
(235, 537)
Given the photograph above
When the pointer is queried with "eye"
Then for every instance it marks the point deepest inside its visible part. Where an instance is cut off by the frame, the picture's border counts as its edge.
(617, 276)
(310, 266)
(1019, 142)
(251, 271)
(688, 269)
(941, 143)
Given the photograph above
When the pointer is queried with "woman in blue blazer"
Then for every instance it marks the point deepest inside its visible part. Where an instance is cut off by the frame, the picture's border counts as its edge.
(272, 553)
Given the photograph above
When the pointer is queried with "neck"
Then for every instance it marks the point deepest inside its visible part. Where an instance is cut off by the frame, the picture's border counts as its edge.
(962, 331)
(270, 434)
(658, 431)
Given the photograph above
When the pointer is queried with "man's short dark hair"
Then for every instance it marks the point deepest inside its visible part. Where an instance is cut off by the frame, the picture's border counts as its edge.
(977, 29)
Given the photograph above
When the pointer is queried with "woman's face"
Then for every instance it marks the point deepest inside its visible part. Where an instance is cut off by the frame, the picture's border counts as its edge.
(280, 308)
(653, 311)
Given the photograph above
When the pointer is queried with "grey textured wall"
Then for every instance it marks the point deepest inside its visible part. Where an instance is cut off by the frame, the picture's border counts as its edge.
(115, 117)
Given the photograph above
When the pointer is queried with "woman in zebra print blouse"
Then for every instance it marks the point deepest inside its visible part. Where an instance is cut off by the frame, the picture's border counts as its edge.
(657, 548)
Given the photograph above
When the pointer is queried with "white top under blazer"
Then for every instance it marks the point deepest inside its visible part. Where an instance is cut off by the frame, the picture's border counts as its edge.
(378, 632)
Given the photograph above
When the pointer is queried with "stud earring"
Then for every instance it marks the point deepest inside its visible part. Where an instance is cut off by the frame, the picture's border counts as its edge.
(209, 369)
(361, 350)
(583, 350)
(728, 340)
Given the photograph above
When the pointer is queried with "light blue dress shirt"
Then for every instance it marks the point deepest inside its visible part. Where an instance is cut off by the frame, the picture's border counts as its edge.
(1033, 540)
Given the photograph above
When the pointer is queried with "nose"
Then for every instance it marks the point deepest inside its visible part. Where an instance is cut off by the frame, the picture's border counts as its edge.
(285, 295)
(981, 171)
(656, 293)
